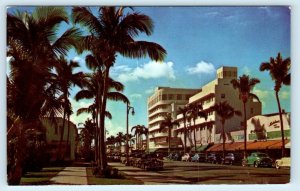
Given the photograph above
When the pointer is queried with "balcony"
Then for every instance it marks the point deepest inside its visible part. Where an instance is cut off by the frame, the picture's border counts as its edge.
(160, 110)
(160, 118)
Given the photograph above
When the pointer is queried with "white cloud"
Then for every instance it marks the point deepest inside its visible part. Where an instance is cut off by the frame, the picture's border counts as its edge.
(284, 94)
(136, 96)
(149, 90)
(113, 128)
(202, 68)
(246, 70)
(263, 95)
(150, 70)
(78, 59)
(75, 106)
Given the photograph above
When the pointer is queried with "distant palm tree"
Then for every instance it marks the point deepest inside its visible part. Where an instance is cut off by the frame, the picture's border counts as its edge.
(225, 112)
(168, 124)
(113, 33)
(194, 112)
(184, 111)
(279, 69)
(120, 139)
(138, 130)
(145, 132)
(245, 85)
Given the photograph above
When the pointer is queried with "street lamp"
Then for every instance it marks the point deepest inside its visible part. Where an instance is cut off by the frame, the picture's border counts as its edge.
(127, 115)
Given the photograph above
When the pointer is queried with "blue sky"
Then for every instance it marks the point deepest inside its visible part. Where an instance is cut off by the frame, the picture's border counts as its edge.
(199, 40)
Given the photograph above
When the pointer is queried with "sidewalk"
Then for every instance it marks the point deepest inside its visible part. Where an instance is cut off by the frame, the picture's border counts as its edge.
(71, 176)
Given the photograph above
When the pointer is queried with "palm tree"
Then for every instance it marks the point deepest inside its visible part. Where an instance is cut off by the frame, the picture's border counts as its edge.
(33, 44)
(279, 70)
(138, 130)
(145, 131)
(112, 33)
(65, 78)
(184, 111)
(194, 112)
(245, 85)
(168, 124)
(120, 139)
(225, 112)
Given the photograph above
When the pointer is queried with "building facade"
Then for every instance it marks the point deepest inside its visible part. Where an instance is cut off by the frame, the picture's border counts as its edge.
(165, 100)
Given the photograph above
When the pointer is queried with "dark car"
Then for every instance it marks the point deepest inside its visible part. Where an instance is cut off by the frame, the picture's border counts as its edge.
(258, 159)
(150, 162)
(214, 158)
(232, 158)
(198, 157)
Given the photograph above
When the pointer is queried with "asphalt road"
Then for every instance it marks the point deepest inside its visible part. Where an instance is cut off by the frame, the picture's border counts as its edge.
(177, 172)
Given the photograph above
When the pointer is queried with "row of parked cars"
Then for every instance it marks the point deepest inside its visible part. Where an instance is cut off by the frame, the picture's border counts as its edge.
(143, 161)
(256, 159)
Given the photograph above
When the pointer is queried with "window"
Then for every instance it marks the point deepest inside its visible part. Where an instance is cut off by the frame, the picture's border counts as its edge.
(179, 96)
(252, 110)
(187, 97)
(164, 97)
(222, 95)
(170, 96)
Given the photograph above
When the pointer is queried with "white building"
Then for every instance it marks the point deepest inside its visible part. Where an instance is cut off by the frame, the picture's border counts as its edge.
(165, 100)
(216, 91)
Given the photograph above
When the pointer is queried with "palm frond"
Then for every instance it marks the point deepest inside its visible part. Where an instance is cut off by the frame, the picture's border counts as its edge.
(117, 96)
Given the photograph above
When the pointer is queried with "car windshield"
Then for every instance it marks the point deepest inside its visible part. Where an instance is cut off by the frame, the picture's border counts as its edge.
(262, 155)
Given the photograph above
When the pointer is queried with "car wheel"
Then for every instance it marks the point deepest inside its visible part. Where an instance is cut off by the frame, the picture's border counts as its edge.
(256, 165)
(244, 163)
(277, 165)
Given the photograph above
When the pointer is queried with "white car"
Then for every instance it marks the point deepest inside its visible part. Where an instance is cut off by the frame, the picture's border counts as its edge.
(186, 157)
(284, 162)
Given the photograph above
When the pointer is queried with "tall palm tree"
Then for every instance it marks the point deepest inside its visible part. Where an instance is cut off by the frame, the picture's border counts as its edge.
(225, 112)
(112, 33)
(245, 85)
(65, 78)
(34, 46)
(168, 123)
(184, 111)
(279, 70)
(145, 131)
(194, 112)
(120, 139)
(138, 130)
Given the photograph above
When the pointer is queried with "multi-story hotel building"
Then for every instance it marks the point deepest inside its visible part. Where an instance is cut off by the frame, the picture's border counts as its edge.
(216, 91)
(165, 100)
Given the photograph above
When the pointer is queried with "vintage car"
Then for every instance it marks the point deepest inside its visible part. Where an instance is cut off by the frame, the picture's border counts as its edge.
(198, 157)
(214, 158)
(258, 159)
(186, 157)
(150, 162)
(284, 162)
(232, 158)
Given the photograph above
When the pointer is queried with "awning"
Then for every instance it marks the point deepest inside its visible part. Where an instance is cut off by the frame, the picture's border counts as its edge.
(199, 148)
(228, 147)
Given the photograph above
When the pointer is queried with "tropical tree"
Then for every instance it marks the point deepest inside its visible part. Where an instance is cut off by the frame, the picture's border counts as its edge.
(279, 70)
(225, 112)
(184, 111)
(168, 123)
(245, 85)
(194, 112)
(138, 130)
(120, 139)
(65, 77)
(34, 48)
(145, 132)
(112, 33)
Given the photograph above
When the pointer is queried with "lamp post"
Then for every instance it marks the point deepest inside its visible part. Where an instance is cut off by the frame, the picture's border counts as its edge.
(128, 108)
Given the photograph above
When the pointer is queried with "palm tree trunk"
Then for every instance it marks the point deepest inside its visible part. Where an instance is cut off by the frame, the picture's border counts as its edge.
(96, 140)
(58, 157)
(223, 137)
(68, 135)
(245, 131)
(195, 146)
(281, 125)
(184, 132)
(169, 140)
(136, 142)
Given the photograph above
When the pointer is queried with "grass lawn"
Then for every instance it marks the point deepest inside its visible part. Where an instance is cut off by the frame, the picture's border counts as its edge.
(40, 178)
(92, 180)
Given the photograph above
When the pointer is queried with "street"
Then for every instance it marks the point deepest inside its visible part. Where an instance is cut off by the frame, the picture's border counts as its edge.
(177, 172)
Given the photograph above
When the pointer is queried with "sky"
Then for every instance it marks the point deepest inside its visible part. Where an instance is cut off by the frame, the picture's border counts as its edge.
(198, 41)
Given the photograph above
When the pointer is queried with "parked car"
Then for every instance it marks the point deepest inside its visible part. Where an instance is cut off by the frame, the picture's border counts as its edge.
(186, 157)
(198, 157)
(232, 158)
(284, 162)
(258, 159)
(150, 162)
(214, 158)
